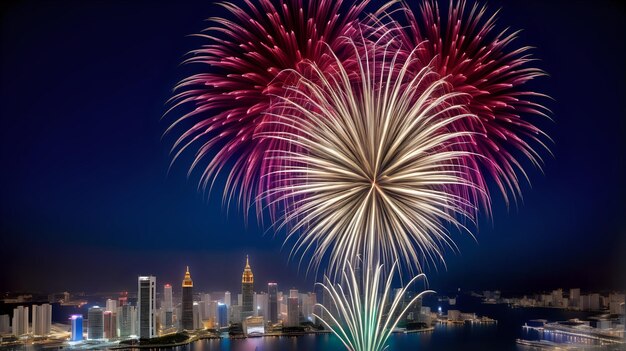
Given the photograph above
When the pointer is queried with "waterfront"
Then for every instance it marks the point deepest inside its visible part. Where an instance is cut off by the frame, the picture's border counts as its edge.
(467, 337)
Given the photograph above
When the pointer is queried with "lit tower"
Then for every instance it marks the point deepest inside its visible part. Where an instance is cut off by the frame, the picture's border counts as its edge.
(77, 327)
(168, 306)
(272, 302)
(146, 307)
(187, 308)
(247, 292)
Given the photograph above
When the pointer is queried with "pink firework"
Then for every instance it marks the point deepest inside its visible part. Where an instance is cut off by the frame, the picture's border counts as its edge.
(477, 60)
(244, 57)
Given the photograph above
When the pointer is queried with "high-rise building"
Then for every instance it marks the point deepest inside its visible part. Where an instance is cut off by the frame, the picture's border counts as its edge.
(126, 321)
(5, 326)
(197, 319)
(272, 302)
(222, 315)
(235, 314)
(110, 324)
(307, 306)
(227, 301)
(594, 302)
(77, 327)
(615, 303)
(168, 306)
(574, 297)
(167, 297)
(293, 309)
(260, 305)
(213, 312)
(187, 303)
(20, 320)
(111, 305)
(146, 306)
(247, 292)
(42, 319)
(557, 298)
(95, 318)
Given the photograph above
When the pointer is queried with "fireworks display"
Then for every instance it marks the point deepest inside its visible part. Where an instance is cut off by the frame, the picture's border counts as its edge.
(246, 54)
(475, 58)
(370, 161)
(363, 313)
(365, 136)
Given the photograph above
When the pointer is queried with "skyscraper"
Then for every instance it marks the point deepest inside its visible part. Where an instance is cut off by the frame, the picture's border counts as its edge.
(5, 326)
(20, 320)
(272, 302)
(95, 317)
(126, 319)
(77, 327)
(187, 305)
(168, 306)
(247, 292)
(293, 309)
(197, 320)
(42, 319)
(110, 324)
(260, 303)
(222, 315)
(227, 299)
(146, 306)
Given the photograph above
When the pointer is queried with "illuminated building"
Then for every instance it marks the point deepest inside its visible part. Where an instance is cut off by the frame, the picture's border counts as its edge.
(272, 302)
(254, 326)
(146, 307)
(222, 315)
(307, 307)
(77, 327)
(235, 314)
(95, 318)
(187, 303)
(126, 321)
(42, 319)
(196, 318)
(110, 324)
(111, 305)
(20, 321)
(5, 327)
(260, 304)
(293, 312)
(227, 299)
(168, 306)
(247, 292)
(615, 303)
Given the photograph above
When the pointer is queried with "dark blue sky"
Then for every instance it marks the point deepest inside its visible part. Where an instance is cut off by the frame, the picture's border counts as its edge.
(86, 201)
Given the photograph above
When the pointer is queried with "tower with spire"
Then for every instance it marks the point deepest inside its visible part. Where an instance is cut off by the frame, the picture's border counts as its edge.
(187, 303)
(247, 291)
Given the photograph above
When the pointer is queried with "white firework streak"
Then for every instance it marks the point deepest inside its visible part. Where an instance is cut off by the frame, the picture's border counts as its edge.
(371, 162)
(363, 318)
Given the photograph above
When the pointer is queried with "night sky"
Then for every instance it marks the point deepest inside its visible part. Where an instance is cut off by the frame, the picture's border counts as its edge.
(87, 203)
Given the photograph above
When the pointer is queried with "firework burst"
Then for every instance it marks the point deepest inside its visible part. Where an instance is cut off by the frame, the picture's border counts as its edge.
(246, 53)
(368, 168)
(363, 313)
(483, 63)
